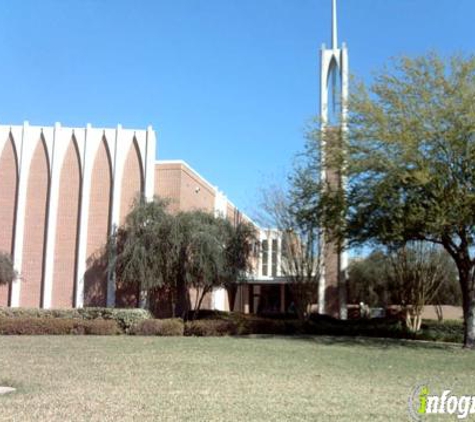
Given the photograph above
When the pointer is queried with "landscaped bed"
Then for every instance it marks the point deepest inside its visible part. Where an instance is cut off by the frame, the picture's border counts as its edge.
(130, 378)
(110, 321)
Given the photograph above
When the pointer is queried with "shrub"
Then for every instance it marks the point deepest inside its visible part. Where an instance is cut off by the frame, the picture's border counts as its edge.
(7, 272)
(270, 326)
(56, 326)
(39, 313)
(210, 328)
(449, 331)
(126, 318)
(242, 325)
(159, 327)
(386, 328)
(100, 327)
(192, 315)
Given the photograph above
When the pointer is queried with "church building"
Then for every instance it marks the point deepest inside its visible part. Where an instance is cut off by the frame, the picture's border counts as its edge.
(64, 190)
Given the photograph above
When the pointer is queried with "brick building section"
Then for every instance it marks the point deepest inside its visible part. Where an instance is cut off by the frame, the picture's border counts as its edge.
(183, 187)
(132, 181)
(95, 278)
(64, 274)
(231, 213)
(35, 228)
(195, 297)
(8, 189)
(331, 263)
(132, 187)
(167, 184)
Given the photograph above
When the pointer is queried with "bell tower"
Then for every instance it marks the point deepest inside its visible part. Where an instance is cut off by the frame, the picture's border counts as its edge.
(333, 115)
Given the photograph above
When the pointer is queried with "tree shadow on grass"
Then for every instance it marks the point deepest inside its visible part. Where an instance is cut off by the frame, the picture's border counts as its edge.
(366, 342)
(380, 343)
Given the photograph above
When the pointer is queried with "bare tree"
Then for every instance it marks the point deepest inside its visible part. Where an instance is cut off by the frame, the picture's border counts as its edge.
(301, 246)
(417, 270)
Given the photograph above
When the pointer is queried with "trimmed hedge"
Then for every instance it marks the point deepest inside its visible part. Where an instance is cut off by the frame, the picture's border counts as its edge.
(107, 321)
(125, 318)
(242, 326)
(159, 327)
(57, 326)
(210, 328)
(222, 323)
(353, 328)
(39, 313)
(272, 327)
(448, 331)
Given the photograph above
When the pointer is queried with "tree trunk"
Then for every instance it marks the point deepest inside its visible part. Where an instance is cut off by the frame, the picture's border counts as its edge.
(182, 300)
(439, 311)
(232, 292)
(469, 320)
(468, 294)
(198, 306)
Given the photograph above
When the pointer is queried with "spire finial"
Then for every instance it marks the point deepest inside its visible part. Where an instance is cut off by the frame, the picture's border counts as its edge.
(334, 27)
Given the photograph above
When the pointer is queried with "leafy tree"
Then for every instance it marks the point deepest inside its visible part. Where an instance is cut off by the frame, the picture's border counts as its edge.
(140, 246)
(215, 252)
(367, 280)
(7, 272)
(410, 148)
(239, 255)
(157, 250)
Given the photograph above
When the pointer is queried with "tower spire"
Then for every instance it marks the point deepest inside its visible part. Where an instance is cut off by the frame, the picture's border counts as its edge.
(333, 111)
(334, 27)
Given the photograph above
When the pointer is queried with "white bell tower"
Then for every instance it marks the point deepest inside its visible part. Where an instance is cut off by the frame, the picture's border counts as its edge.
(333, 115)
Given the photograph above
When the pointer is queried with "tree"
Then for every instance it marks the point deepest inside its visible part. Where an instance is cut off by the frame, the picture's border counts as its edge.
(368, 282)
(240, 251)
(155, 249)
(416, 271)
(139, 247)
(410, 148)
(371, 279)
(301, 245)
(216, 253)
(7, 272)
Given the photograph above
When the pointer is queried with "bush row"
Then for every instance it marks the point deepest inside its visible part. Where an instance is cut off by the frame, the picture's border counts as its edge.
(215, 327)
(139, 322)
(57, 326)
(449, 331)
(218, 324)
(159, 327)
(125, 318)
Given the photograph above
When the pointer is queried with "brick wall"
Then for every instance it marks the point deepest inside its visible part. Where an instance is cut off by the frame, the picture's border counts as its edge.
(168, 183)
(35, 228)
(8, 188)
(95, 281)
(331, 256)
(64, 274)
(132, 187)
(183, 187)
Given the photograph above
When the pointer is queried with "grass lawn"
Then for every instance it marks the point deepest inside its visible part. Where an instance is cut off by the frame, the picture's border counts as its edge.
(124, 378)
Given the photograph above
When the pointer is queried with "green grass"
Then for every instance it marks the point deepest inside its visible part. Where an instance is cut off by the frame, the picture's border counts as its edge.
(76, 378)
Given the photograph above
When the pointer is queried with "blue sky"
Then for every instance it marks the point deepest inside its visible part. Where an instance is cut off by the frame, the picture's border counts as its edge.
(228, 85)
